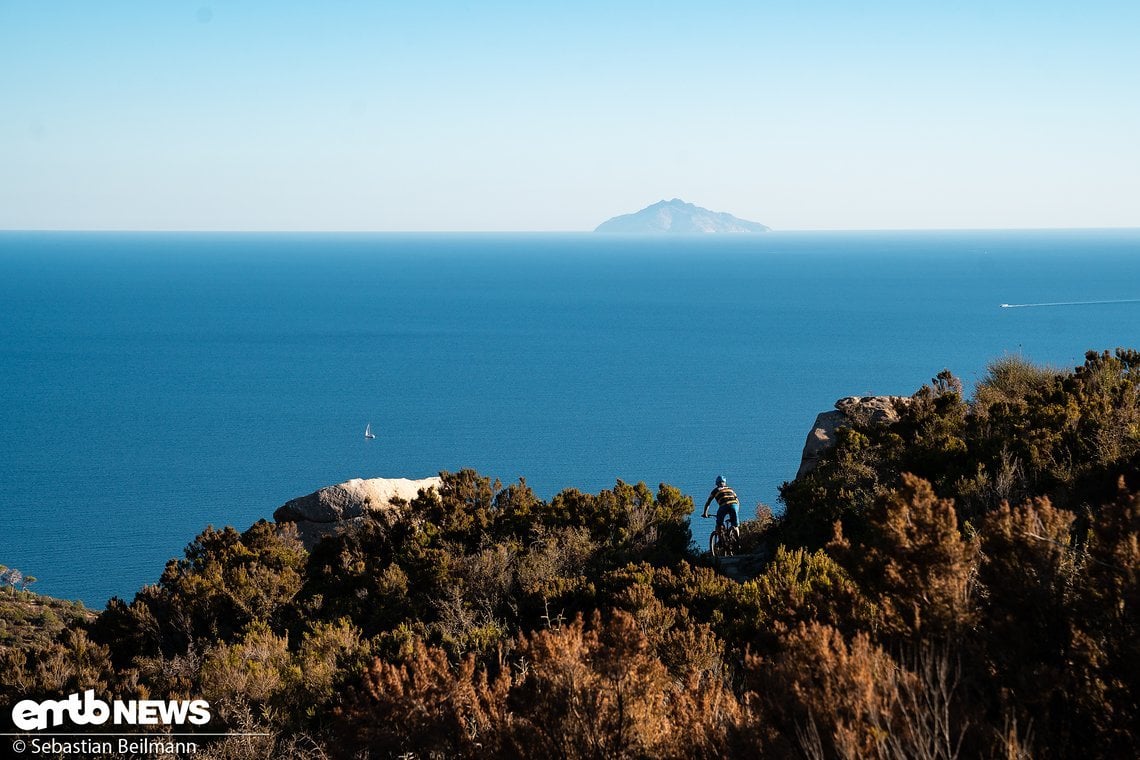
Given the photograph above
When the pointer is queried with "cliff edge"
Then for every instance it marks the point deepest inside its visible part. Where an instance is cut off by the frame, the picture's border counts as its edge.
(876, 410)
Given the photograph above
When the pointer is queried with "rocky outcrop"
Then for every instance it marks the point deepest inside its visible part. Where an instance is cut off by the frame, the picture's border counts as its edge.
(820, 439)
(330, 509)
(864, 410)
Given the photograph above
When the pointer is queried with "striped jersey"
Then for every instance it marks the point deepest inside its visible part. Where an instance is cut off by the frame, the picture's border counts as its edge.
(724, 496)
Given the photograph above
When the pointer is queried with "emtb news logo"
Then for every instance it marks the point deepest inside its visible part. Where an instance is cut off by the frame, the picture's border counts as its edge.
(30, 715)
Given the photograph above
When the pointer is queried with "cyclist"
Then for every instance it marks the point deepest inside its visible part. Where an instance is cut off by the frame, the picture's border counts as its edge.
(728, 505)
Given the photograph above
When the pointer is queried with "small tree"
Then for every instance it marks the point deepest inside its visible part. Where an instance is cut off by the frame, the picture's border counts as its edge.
(13, 578)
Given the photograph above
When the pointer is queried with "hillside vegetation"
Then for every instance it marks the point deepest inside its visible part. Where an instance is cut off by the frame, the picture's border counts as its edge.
(30, 620)
(961, 583)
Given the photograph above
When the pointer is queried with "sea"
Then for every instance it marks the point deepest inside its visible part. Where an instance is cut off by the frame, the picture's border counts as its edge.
(157, 383)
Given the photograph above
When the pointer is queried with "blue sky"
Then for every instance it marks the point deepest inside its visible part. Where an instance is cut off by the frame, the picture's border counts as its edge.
(342, 115)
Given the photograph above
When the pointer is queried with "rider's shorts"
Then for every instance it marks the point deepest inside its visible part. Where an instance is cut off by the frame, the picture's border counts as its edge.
(731, 511)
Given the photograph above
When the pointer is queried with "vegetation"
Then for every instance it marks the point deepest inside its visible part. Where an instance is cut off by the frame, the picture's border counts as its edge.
(31, 620)
(961, 583)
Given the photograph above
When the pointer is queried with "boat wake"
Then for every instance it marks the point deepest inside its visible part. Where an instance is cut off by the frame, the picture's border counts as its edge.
(1066, 303)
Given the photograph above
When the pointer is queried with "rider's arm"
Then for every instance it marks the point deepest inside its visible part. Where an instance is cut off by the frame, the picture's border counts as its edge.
(707, 502)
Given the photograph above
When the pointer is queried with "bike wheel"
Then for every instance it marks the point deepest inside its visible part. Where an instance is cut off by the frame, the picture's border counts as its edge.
(716, 549)
(732, 545)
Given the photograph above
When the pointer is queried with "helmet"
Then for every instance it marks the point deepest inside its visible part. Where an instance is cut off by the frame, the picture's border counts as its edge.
(720, 481)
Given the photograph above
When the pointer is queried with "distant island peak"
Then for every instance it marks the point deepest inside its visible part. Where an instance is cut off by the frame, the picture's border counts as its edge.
(678, 218)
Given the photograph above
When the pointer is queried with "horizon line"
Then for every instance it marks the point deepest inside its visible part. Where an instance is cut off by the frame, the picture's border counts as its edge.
(729, 235)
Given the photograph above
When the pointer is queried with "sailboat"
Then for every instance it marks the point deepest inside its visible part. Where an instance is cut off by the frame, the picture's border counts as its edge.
(368, 431)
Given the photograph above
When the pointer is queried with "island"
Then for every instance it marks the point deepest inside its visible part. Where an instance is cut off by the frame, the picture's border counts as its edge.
(676, 217)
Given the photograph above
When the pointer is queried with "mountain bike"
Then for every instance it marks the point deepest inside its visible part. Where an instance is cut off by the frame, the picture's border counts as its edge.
(724, 541)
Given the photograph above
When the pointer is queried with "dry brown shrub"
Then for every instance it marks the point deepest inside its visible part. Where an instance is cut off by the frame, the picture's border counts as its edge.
(594, 692)
(428, 707)
(600, 691)
(1106, 653)
(916, 561)
(850, 699)
(840, 689)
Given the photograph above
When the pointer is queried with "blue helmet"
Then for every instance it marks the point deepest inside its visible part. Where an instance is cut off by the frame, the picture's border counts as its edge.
(720, 481)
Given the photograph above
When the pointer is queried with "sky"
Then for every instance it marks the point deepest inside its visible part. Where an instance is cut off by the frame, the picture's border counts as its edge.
(502, 116)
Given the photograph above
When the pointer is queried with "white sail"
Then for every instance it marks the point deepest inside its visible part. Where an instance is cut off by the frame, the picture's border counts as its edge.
(368, 431)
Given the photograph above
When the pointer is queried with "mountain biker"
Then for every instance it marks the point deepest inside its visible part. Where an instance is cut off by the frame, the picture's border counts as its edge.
(728, 505)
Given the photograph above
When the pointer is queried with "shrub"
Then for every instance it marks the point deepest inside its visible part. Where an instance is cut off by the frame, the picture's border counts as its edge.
(913, 563)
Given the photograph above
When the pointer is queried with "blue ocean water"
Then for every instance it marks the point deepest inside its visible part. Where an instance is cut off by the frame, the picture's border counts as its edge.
(157, 383)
